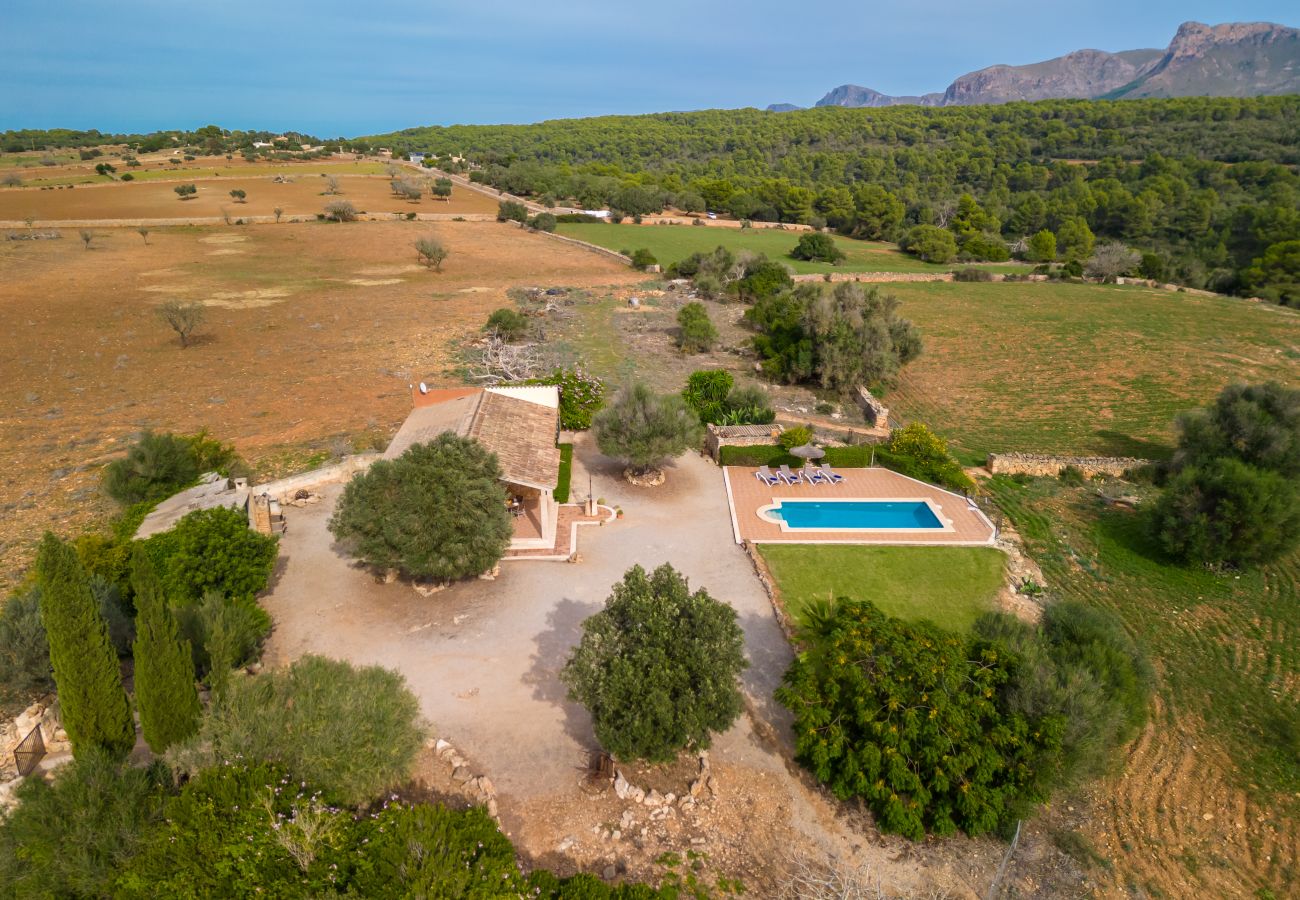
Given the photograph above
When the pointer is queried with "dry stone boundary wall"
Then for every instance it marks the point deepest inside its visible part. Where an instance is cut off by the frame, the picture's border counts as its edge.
(1051, 466)
(595, 248)
(285, 488)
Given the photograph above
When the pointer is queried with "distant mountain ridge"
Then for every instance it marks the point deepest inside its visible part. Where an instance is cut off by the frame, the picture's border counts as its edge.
(1238, 59)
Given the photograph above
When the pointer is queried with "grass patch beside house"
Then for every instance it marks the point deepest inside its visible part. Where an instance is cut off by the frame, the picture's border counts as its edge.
(950, 586)
(566, 473)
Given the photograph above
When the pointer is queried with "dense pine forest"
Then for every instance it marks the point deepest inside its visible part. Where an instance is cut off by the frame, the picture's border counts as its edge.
(1206, 188)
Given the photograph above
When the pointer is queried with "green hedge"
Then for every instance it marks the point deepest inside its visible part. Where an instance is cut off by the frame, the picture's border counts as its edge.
(858, 457)
(566, 473)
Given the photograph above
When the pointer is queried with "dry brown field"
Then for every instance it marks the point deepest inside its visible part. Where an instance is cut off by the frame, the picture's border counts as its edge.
(302, 197)
(314, 333)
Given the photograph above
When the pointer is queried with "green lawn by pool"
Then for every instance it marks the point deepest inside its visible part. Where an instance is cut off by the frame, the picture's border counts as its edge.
(950, 586)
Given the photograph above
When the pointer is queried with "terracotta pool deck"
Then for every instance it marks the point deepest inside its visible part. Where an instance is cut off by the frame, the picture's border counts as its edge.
(965, 524)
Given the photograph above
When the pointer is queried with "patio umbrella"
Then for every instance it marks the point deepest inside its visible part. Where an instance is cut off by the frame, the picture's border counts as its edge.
(808, 451)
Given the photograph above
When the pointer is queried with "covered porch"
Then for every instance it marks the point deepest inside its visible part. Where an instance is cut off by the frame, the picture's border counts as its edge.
(534, 515)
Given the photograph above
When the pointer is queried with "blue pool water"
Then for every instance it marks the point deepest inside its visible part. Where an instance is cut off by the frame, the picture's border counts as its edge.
(822, 515)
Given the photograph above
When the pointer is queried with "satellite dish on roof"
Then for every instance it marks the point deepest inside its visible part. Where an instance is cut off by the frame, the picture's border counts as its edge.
(424, 388)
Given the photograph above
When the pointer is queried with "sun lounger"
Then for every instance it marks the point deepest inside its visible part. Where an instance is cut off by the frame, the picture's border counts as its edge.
(764, 474)
(814, 476)
(829, 473)
(788, 476)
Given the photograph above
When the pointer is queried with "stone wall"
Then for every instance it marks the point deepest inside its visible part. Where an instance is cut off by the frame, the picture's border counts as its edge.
(875, 412)
(718, 436)
(284, 489)
(1051, 466)
(877, 277)
(594, 248)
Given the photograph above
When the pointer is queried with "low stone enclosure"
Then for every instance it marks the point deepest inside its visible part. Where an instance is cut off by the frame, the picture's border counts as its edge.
(718, 436)
(1051, 466)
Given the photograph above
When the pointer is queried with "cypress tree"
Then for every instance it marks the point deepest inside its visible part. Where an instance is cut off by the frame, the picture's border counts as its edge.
(164, 667)
(95, 709)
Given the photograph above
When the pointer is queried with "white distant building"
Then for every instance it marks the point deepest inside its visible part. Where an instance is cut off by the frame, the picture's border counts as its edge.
(261, 145)
(417, 158)
(598, 213)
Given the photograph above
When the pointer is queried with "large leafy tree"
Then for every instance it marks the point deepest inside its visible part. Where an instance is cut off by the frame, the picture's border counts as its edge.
(931, 243)
(93, 704)
(69, 837)
(907, 718)
(155, 466)
(1225, 511)
(1276, 274)
(658, 667)
(1258, 424)
(858, 336)
(437, 511)
(164, 665)
(350, 730)
(646, 429)
(214, 550)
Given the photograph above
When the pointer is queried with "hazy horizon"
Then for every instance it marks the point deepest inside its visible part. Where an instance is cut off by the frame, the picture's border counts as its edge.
(331, 69)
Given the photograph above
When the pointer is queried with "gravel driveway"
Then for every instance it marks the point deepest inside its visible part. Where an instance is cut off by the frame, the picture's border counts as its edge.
(483, 657)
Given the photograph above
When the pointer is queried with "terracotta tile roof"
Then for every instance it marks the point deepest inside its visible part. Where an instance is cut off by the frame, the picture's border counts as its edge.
(522, 435)
(520, 432)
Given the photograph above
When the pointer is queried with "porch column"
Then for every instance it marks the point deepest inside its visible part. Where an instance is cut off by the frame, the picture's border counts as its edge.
(545, 513)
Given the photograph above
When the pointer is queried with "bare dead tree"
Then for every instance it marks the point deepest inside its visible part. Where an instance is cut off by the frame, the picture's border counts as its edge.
(182, 317)
(144, 233)
(331, 185)
(87, 237)
(278, 213)
(500, 361)
(834, 879)
(1111, 260)
(944, 211)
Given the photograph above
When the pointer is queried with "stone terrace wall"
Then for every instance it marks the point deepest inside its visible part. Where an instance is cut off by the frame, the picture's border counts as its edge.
(1051, 466)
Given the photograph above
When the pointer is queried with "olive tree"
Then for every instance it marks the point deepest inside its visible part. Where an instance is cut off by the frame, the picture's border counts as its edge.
(182, 317)
(341, 211)
(646, 429)
(658, 668)
(437, 511)
(431, 253)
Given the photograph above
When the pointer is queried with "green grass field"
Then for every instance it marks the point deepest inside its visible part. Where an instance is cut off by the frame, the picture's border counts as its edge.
(1079, 368)
(1225, 645)
(950, 586)
(669, 243)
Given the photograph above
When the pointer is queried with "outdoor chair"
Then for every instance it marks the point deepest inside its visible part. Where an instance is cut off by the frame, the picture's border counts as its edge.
(814, 476)
(764, 474)
(830, 474)
(788, 476)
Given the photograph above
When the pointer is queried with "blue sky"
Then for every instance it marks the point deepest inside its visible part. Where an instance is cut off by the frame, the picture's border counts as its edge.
(335, 68)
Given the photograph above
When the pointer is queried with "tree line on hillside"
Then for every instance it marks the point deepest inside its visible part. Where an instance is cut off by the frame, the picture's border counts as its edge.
(1205, 188)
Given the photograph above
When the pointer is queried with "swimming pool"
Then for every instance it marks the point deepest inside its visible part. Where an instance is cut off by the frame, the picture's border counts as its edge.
(855, 515)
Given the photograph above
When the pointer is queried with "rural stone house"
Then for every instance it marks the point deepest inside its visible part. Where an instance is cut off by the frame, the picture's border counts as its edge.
(520, 425)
